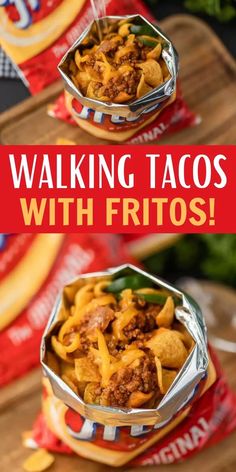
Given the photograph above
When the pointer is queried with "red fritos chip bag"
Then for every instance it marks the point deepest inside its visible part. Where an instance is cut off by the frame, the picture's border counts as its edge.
(37, 33)
(129, 376)
(140, 120)
(33, 270)
(211, 419)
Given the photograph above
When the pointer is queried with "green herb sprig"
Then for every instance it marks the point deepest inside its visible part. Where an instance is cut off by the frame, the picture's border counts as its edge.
(223, 10)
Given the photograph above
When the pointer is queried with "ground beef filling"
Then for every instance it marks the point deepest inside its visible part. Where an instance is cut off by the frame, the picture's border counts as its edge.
(100, 318)
(141, 324)
(91, 61)
(141, 375)
(141, 378)
(126, 82)
(109, 46)
(127, 380)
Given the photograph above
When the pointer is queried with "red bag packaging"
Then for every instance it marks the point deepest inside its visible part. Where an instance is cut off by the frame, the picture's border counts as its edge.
(37, 33)
(33, 269)
(173, 118)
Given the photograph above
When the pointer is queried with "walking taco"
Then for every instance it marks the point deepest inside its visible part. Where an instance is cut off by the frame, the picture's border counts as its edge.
(127, 352)
(119, 75)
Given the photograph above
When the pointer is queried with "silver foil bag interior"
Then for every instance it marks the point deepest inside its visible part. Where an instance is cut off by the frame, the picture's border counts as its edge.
(136, 107)
(182, 389)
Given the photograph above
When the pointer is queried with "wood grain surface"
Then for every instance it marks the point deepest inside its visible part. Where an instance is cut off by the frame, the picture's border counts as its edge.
(20, 403)
(208, 78)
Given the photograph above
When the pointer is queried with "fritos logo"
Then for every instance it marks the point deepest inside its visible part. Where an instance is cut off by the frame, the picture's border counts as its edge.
(24, 13)
(118, 438)
(3, 240)
(23, 10)
(112, 122)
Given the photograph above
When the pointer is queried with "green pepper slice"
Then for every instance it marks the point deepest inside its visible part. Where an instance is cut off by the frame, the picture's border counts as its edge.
(147, 42)
(142, 30)
(130, 281)
(155, 298)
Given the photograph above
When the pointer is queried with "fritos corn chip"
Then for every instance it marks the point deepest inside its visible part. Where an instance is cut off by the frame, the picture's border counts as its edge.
(38, 461)
(166, 316)
(165, 377)
(64, 142)
(168, 347)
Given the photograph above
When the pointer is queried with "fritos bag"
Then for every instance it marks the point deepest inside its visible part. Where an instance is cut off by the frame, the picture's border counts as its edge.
(33, 270)
(197, 410)
(141, 121)
(37, 33)
(172, 119)
(211, 419)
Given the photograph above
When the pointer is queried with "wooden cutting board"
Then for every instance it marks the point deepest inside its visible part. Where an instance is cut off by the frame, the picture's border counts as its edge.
(208, 77)
(20, 403)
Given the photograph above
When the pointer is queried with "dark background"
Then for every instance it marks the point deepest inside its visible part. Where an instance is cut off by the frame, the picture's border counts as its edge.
(13, 91)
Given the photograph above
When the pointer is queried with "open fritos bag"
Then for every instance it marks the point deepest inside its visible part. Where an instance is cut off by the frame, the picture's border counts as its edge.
(129, 376)
(122, 87)
(146, 118)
